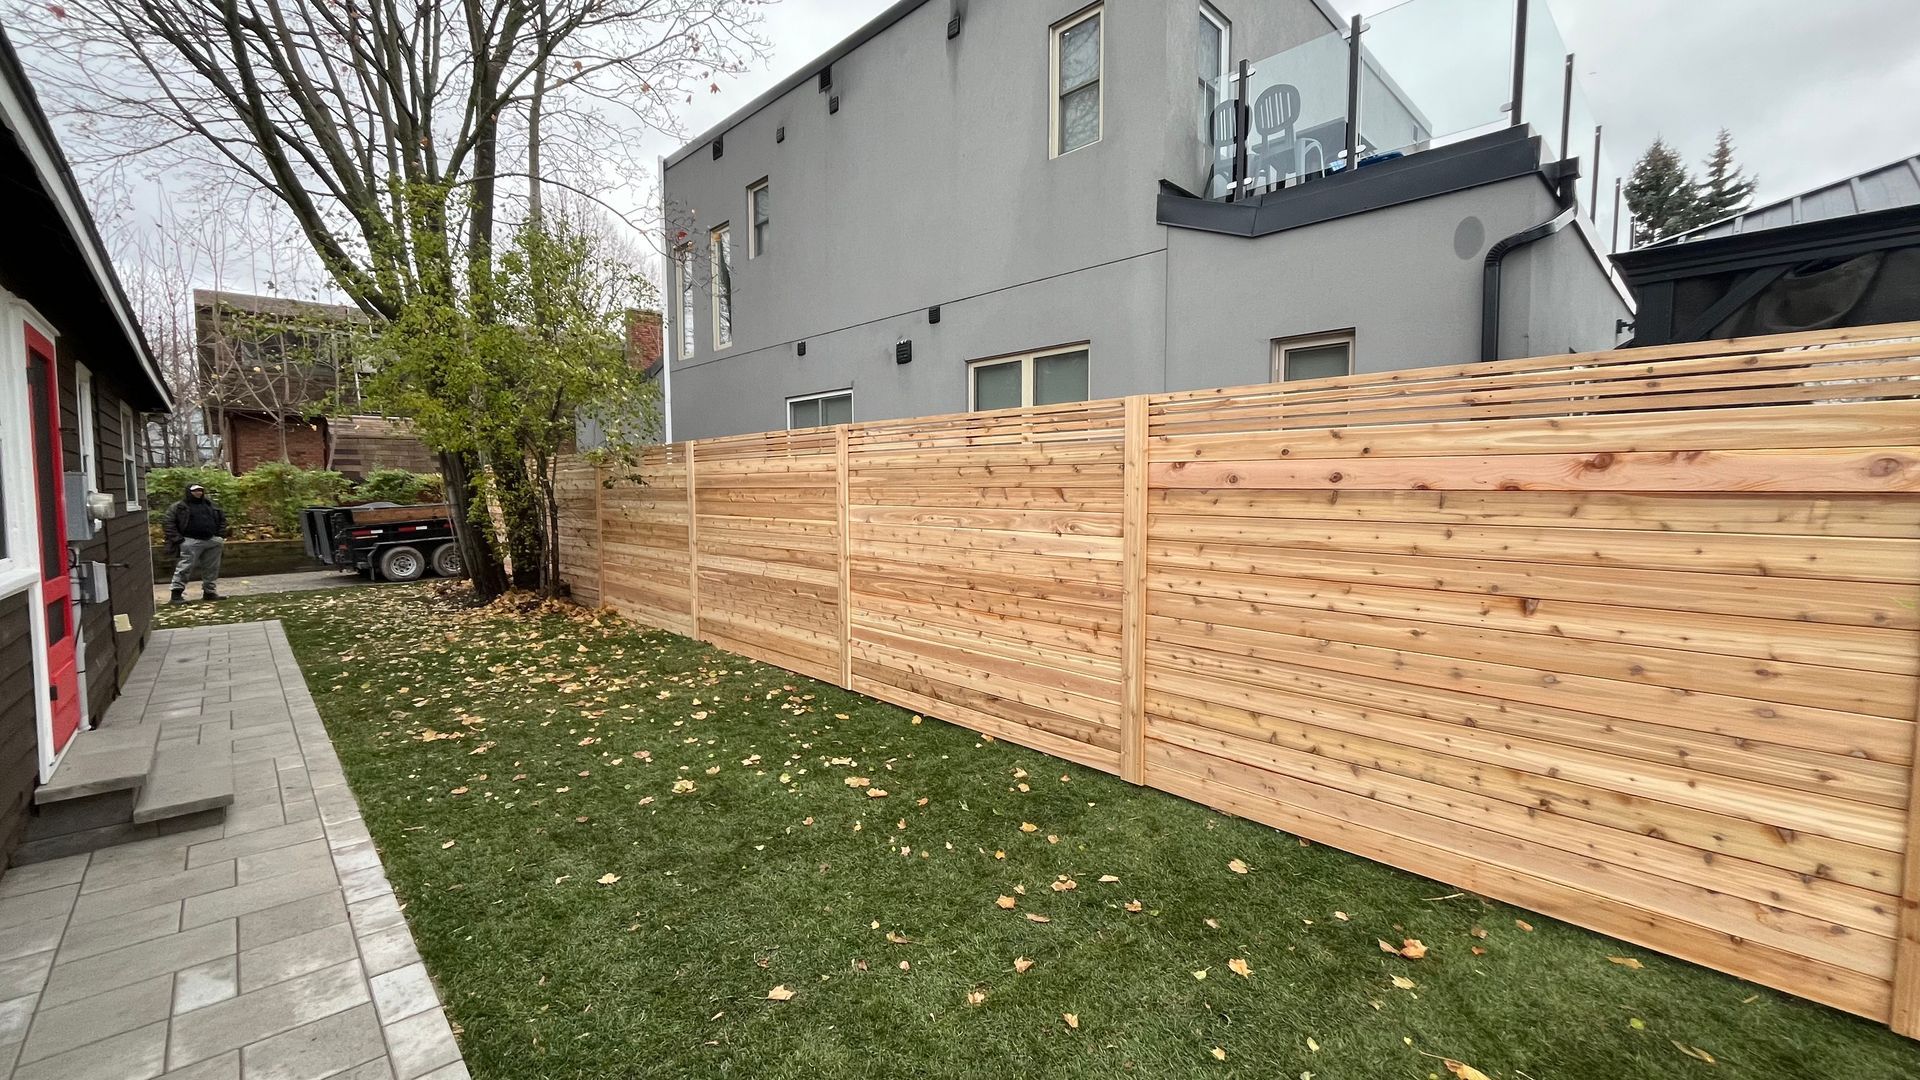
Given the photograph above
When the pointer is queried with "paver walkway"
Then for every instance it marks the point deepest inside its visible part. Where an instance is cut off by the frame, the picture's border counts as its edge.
(268, 947)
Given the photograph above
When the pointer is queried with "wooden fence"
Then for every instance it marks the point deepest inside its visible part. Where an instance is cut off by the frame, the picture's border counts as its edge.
(1628, 638)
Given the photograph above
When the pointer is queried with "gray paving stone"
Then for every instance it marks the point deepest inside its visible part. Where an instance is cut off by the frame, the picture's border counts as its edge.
(365, 884)
(376, 914)
(245, 819)
(277, 862)
(257, 896)
(25, 975)
(130, 928)
(16, 1015)
(134, 1055)
(292, 919)
(323, 1048)
(377, 1069)
(384, 950)
(67, 1027)
(296, 956)
(179, 885)
(254, 842)
(30, 938)
(420, 1044)
(249, 1018)
(224, 1067)
(34, 906)
(164, 955)
(45, 875)
(204, 984)
(111, 874)
(403, 992)
(361, 856)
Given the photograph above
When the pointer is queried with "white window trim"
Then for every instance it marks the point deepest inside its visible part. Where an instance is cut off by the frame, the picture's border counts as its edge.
(846, 392)
(1053, 78)
(129, 457)
(713, 284)
(84, 407)
(754, 191)
(20, 569)
(683, 311)
(1208, 13)
(1027, 364)
(1283, 346)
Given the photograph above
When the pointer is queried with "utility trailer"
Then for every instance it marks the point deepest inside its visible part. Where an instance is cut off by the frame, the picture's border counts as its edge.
(384, 540)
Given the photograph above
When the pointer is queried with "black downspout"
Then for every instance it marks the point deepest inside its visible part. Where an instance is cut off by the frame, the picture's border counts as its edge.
(1490, 276)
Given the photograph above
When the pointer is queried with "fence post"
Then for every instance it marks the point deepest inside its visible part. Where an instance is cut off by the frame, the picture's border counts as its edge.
(1904, 1017)
(599, 535)
(846, 562)
(693, 549)
(1133, 599)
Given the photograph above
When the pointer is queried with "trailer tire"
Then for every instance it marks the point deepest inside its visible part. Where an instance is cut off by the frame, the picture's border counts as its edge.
(402, 563)
(447, 562)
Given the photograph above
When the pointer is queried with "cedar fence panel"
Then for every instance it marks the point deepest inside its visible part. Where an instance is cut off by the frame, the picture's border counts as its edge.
(1630, 638)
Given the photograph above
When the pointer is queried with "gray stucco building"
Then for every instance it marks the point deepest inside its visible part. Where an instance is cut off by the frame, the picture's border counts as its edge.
(978, 203)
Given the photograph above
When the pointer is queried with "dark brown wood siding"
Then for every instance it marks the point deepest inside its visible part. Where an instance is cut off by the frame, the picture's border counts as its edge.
(18, 759)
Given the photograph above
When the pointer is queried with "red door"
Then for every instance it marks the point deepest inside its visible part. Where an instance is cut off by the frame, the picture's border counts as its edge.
(56, 596)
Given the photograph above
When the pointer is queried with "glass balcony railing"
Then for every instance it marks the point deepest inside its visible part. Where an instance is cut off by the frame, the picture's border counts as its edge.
(1426, 73)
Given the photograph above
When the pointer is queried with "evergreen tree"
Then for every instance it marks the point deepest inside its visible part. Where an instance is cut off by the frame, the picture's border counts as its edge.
(1724, 191)
(1662, 195)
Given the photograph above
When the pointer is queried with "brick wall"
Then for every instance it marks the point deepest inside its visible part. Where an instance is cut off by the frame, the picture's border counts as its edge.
(253, 439)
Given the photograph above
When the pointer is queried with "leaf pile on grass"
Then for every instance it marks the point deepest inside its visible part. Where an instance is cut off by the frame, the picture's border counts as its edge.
(628, 854)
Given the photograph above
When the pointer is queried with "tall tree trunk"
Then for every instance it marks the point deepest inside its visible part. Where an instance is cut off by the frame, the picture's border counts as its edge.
(526, 523)
(471, 529)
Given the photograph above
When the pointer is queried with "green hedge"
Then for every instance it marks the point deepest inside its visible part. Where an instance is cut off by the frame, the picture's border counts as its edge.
(268, 498)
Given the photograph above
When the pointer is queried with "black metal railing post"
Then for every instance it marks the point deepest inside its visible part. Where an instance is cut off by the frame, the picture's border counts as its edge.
(1240, 126)
(1613, 245)
(1519, 62)
(1566, 110)
(1353, 95)
(1593, 200)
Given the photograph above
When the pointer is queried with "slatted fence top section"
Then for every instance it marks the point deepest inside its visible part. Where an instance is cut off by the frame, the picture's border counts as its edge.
(1080, 422)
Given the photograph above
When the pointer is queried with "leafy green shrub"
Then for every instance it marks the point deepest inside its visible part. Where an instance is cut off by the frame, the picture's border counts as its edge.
(399, 486)
(168, 486)
(275, 492)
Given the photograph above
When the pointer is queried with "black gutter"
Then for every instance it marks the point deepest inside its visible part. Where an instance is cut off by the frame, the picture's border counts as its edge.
(1490, 276)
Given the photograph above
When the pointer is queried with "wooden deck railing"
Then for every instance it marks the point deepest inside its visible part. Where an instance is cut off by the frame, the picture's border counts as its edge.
(1629, 638)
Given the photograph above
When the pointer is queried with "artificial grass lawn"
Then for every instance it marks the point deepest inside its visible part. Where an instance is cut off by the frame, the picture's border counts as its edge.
(509, 759)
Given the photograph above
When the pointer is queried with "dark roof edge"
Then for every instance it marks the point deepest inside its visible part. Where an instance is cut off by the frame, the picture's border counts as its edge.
(873, 28)
(1487, 159)
(94, 249)
(1837, 237)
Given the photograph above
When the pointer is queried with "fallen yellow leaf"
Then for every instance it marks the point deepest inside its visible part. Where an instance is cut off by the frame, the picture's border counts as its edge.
(1524, 925)
(1626, 962)
(1072, 1019)
(1134, 906)
(780, 993)
(1006, 903)
(975, 997)
(876, 793)
(1313, 1046)
(1403, 982)
(1031, 917)
(1201, 974)
(1413, 949)
(1021, 964)
(1693, 1052)
(1240, 967)
(1028, 826)
(1108, 879)
(1239, 867)
(1219, 1054)
(608, 879)
(1463, 1070)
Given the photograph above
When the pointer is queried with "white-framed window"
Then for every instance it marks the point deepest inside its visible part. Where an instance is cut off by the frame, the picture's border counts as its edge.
(19, 504)
(820, 410)
(1314, 356)
(129, 457)
(1047, 377)
(683, 276)
(720, 255)
(759, 212)
(90, 465)
(1211, 61)
(1077, 60)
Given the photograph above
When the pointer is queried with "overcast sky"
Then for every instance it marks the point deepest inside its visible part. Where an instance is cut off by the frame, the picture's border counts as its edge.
(1812, 92)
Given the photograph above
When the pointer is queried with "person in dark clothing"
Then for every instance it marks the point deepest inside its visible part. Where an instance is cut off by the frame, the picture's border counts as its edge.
(196, 531)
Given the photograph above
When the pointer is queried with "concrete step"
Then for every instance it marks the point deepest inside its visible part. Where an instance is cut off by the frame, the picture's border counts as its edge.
(185, 780)
(101, 761)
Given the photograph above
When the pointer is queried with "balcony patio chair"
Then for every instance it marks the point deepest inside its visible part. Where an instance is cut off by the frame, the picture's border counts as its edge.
(1281, 154)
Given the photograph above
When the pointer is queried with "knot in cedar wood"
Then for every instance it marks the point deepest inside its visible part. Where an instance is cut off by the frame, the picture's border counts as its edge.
(1886, 466)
